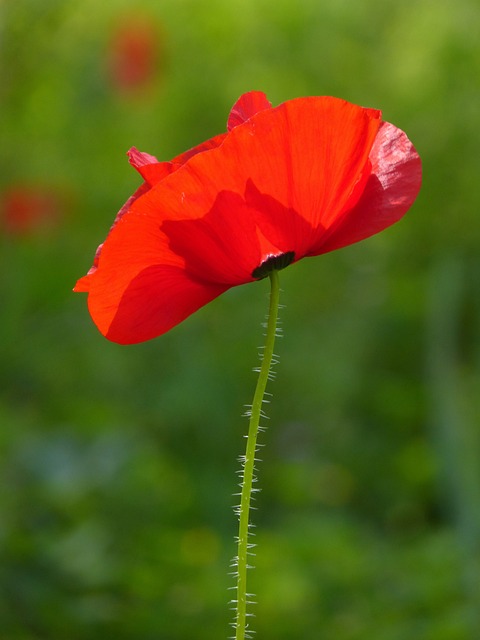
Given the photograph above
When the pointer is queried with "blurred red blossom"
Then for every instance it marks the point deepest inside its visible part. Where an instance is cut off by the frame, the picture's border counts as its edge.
(307, 177)
(26, 208)
(135, 53)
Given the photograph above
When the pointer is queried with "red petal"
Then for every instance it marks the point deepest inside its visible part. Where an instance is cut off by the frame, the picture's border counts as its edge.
(155, 301)
(151, 170)
(247, 106)
(139, 158)
(154, 171)
(308, 154)
(83, 284)
(389, 192)
(223, 245)
(141, 289)
(212, 143)
(305, 157)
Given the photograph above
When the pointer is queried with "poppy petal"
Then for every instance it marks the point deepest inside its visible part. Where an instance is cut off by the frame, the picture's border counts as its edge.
(247, 106)
(151, 170)
(139, 158)
(223, 245)
(212, 143)
(389, 192)
(154, 301)
(307, 156)
(83, 284)
(140, 288)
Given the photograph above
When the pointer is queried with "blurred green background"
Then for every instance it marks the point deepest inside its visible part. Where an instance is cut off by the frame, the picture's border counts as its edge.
(118, 463)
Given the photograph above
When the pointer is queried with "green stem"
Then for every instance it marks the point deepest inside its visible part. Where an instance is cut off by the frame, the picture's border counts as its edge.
(248, 478)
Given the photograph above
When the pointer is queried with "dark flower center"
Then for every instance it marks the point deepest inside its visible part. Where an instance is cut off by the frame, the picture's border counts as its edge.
(273, 263)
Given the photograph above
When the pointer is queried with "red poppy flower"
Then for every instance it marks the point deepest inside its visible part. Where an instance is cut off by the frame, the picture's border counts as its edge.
(135, 53)
(301, 179)
(26, 208)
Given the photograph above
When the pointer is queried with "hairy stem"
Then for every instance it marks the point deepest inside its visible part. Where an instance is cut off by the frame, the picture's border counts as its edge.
(248, 467)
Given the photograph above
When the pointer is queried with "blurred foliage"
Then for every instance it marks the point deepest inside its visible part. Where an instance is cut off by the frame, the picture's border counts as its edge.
(118, 463)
